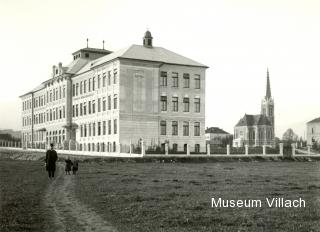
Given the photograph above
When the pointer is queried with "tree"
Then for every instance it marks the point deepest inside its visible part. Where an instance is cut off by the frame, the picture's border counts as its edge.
(290, 136)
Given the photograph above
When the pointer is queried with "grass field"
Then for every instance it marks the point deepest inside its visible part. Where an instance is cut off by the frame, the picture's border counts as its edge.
(177, 196)
(157, 196)
(22, 185)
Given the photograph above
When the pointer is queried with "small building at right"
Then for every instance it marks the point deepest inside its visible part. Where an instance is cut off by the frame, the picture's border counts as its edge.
(313, 131)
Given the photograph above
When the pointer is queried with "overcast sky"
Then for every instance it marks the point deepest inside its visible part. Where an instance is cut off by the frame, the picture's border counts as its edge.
(238, 40)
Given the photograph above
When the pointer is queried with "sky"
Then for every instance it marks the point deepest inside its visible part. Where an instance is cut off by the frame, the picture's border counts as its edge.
(238, 40)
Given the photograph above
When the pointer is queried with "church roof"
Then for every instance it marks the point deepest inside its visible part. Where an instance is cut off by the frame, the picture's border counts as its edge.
(215, 130)
(254, 120)
(315, 120)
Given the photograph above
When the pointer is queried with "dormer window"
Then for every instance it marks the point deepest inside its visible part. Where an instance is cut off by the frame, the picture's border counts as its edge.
(86, 55)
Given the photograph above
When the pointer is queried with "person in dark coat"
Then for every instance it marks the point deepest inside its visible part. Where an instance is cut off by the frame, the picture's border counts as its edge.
(51, 158)
(68, 165)
(75, 167)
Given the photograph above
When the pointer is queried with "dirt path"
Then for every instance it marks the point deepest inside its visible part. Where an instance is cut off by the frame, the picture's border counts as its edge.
(69, 213)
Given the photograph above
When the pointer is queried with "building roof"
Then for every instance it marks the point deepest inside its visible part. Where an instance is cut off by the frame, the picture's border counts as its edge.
(215, 130)
(314, 120)
(253, 120)
(156, 54)
(76, 65)
(94, 50)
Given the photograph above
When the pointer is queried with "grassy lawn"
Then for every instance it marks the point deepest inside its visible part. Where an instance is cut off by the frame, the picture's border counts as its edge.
(22, 185)
(177, 196)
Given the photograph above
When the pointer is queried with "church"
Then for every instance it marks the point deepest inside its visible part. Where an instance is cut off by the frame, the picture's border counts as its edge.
(257, 130)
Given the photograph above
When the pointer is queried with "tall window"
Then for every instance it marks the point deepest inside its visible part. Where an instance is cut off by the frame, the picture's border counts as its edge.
(64, 91)
(93, 106)
(115, 101)
(85, 130)
(104, 79)
(99, 80)
(89, 107)
(104, 108)
(81, 86)
(99, 104)
(77, 89)
(163, 103)
(89, 87)
(99, 128)
(93, 129)
(104, 128)
(81, 106)
(93, 83)
(174, 128)
(115, 127)
(115, 76)
(163, 128)
(85, 86)
(77, 110)
(197, 81)
(186, 80)
(197, 129)
(186, 104)
(85, 108)
(175, 104)
(197, 105)
(89, 129)
(109, 127)
(185, 128)
(175, 79)
(163, 79)
(109, 77)
(109, 102)
(81, 130)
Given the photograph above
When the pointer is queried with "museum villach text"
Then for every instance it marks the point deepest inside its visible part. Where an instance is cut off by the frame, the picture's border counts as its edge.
(274, 202)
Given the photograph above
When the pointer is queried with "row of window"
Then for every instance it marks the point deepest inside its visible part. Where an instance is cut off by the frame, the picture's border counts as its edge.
(56, 94)
(175, 80)
(175, 104)
(90, 129)
(94, 83)
(109, 147)
(262, 134)
(91, 107)
(175, 128)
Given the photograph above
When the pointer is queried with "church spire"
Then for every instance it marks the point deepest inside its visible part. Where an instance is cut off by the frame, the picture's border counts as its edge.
(268, 91)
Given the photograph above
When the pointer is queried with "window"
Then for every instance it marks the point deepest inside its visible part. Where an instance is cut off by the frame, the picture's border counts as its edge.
(163, 79)
(104, 128)
(175, 103)
(99, 80)
(84, 108)
(93, 83)
(77, 110)
(185, 128)
(115, 102)
(175, 147)
(109, 127)
(186, 80)
(77, 89)
(64, 111)
(89, 129)
(109, 77)
(115, 73)
(81, 107)
(104, 107)
(89, 107)
(197, 105)
(174, 128)
(60, 93)
(84, 86)
(89, 87)
(86, 55)
(115, 126)
(185, 104)
(175, 80)
(197, 129)
(99, 105)
(197, 81)
(85, 130)
(93, 129)
(81, 86)
(99, 128)
(197, 148)
(163, 128)
(104, 79)
(64, 92)
(163, 103)
(81, 131)
(109, 102)
(93, 107)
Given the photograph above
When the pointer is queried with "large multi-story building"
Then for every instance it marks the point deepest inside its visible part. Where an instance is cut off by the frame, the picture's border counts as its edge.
(257, 130)
(109, 101)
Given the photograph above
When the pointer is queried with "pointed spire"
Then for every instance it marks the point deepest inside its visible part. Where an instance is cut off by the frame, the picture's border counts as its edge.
(268, 91)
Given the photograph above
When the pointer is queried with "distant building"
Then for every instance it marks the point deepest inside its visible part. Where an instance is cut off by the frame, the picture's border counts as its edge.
(107, 101)
(313, 131)
(216, 136)
(257, 130)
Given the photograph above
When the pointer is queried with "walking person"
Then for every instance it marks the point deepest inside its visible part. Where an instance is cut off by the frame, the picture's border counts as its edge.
(51, 158)
(68, 165)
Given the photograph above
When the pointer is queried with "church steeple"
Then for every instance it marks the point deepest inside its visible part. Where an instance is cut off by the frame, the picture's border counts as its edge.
(268, 91)
(147, 39)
